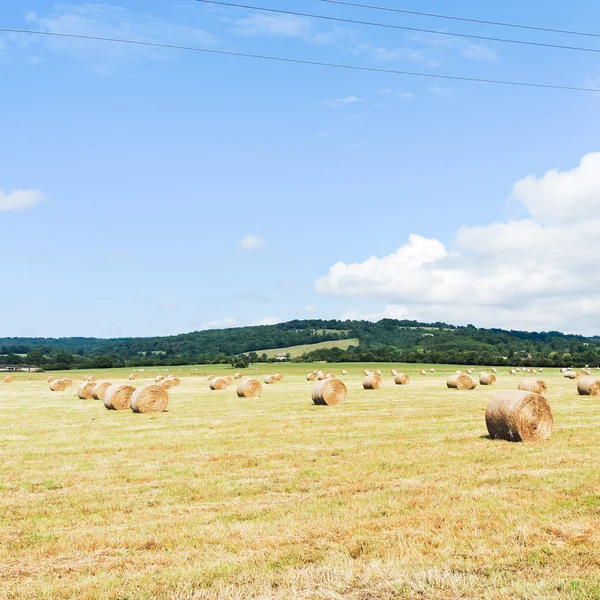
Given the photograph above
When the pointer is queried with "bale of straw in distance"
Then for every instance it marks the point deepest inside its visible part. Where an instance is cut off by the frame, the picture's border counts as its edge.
(278, 377)
(59, 385)
(513, 372)
(270, 380)
(91, 378)
(519, 415)
(176, 381)
(51, 379)
(166, 383)
(329, 392)
(487, 379)
(461, 382)
(85, 390)
(158, 378)
(494, 370)
(8, 379)
(372, 382)
(366, 372)
(344, 372)
(67, 382)
(432, 370)
(251, 388)
(118, 396)
(100, 389)
(393, 372)
(571, 375)
(311, 377)
(228, 379)
(149, 399)
(422, 372)
(237, 376)
(533, 385)
(402, 379)
(588, 386)
(329, 376)
(132, 377)
(218, 384)
(210, 378)
(321, 376)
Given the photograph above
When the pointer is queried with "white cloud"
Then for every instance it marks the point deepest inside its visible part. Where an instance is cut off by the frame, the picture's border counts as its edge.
(310, 308)
(536, 272)
(20, 199)
(104, 20)
(251, 243)
(268, 321)
(337, 102)
(224, 324)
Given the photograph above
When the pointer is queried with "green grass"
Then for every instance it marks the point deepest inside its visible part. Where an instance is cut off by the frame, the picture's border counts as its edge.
(300, 350)
(397, 493)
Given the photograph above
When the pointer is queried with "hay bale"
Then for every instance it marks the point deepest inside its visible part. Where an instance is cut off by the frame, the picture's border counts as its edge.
(320, 376)
(132, 377)
(366, 372)
(344, 372)
(311, 377)
(402, 379)
(251, 388)
(91, 378)
(51, 379)
(535, 386)
(372, 382)
(99, 390)
(329, 376)
(118, 396)
(237, 376)
(8, 379)
(329, 392)
(175, 380)
(461, 382)
(210, 378)
(494, 370)
(432, 370)
(67, 382)
(60, 385)
(158, 378)
(149, 399)
(218, 384)
(519, 416)
(487, 379)
(589, 386)
(85, 390)
(278, 377)
(166, 384)
(541, 370)
(422, 372)
(571, 375)
(393, 372)
(228, 379)
(270, 380)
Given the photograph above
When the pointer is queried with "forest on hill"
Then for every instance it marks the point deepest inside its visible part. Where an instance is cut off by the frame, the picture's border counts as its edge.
(388, 340)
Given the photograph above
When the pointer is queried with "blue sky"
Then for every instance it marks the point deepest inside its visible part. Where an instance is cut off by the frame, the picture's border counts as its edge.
(148, 191)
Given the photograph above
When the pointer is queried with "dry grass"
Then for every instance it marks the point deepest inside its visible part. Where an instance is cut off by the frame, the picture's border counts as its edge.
(394, 495)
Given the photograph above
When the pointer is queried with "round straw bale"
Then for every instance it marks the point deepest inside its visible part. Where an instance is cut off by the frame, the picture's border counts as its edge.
(422, 372)
(91, 378)
(402, 379)
(366, 372)
(132, 377)
(217, 383)
(158, 378)
(320, 376)
(494, 370)
(251, 388)
(270, 380)
(487, 379)
(210, 378)
(461, 382)
(67, 382)
(393, 372)
(166, 384)
(518, 415)
(8, 379)
(85, 391)
(150, 398)
(372, 382)
(311, 377)
(329, 392)
(118, 396)
(571, 375)
(175, 380)
(237, 376)
(100, 390)
(228, 379)
(344, 372)
(588, 386)
(541, 370)
(59, 385)
(432, 370)
(535, 386)
(278, 377)
(51, 379)
(329, 376)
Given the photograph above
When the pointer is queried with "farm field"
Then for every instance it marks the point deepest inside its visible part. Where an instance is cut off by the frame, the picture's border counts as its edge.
(397, 493)
(300, 350)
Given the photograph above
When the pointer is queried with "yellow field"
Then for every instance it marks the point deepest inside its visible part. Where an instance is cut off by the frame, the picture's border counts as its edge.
(300, 350)
(398, 493)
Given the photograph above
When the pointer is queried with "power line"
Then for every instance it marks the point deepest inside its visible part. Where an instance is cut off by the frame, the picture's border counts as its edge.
(405, 28)
(300, 61)
(465, 19)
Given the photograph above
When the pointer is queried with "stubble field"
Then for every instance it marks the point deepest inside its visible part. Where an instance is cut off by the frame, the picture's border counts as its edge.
(398, 493)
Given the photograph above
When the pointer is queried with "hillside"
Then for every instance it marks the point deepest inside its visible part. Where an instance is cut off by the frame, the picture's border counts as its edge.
(386, 340)
(298, 351)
